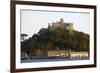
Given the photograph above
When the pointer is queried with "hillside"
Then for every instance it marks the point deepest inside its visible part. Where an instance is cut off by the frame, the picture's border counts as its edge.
(56, 39)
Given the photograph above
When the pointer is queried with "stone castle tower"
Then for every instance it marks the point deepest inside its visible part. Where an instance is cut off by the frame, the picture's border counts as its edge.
(62, 24)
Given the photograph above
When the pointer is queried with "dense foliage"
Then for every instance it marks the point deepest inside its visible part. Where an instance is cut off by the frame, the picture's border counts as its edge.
(59, 38)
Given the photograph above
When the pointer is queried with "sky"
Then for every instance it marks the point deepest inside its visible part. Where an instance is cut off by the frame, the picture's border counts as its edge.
(33, 20)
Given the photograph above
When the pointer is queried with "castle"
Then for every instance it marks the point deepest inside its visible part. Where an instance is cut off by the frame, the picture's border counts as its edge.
(62, 24)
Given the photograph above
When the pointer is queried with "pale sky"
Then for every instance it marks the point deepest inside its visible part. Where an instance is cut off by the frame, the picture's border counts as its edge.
(32, 21)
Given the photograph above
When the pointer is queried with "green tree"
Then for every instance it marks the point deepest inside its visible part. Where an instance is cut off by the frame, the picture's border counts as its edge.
(23, 36)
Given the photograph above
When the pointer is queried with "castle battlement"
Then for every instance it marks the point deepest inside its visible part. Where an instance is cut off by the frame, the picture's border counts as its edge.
(62, 24)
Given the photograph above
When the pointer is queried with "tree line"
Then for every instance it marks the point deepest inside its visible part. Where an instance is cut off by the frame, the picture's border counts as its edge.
(56, 39)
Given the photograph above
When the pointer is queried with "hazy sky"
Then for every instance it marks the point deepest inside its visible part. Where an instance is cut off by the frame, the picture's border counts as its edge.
(32, 21)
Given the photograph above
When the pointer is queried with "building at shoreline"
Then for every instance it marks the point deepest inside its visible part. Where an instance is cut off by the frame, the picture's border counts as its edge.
(45, 53)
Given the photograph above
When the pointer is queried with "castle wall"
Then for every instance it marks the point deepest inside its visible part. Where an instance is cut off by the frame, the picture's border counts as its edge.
(62, 24)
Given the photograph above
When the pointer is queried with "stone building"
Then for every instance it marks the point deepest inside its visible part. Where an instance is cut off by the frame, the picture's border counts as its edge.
(68, 54)
(62, 24)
